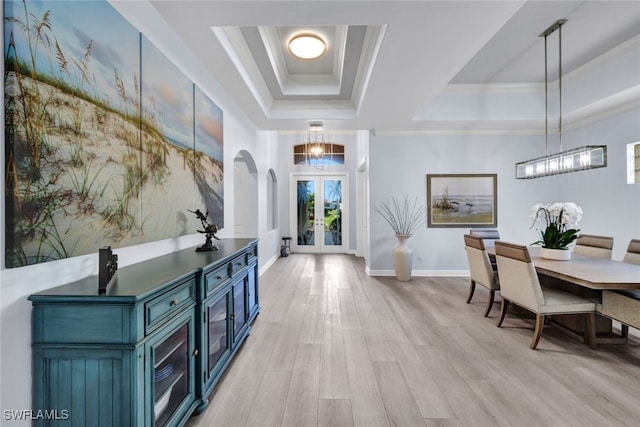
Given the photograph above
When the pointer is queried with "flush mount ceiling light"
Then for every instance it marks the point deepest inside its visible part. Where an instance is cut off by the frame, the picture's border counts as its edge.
(587, 157)
(307, 46)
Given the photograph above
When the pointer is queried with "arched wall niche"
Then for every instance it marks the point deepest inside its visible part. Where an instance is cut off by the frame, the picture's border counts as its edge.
(245, 191)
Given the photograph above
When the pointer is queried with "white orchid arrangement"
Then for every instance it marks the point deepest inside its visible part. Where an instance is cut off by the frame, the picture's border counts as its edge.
(560, 221)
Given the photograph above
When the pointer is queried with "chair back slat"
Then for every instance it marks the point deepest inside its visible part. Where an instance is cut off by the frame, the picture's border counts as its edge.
(594, 246)
(474, 242)
(510, 250)
(633, 252)
(604, 242)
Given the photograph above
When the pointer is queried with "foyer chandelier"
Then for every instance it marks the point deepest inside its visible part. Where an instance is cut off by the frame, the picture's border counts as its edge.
(315, 145)
(586, 157)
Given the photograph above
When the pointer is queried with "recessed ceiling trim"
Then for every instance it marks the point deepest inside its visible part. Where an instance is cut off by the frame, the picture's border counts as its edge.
(316, 84)
(368, 57)
(269, 36)
(312, 84)
(339, 48)
(234, 44)
(335, 110)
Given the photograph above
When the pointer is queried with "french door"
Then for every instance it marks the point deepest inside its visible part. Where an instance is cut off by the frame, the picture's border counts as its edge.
(319, 220)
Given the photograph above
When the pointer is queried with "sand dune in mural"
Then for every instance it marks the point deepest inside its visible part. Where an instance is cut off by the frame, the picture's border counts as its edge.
(92, 183)
(103, 145)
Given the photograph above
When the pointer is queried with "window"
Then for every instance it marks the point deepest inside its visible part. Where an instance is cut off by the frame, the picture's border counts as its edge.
(318, 154)
(272, 200)
(633, 163)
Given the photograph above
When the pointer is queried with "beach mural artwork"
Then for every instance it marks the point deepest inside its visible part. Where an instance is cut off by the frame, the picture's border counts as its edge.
(208, 155)
(106, 141)
(462, 200)
(167, 145)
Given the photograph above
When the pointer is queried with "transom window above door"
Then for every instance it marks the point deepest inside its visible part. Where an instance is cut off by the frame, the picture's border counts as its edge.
(318, 154)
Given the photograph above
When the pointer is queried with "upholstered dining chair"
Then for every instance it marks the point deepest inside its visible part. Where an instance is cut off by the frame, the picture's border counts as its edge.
(519, 285)
(621, 305)
(594, 246)
(480, 269)
(633, 252)
(488, 236)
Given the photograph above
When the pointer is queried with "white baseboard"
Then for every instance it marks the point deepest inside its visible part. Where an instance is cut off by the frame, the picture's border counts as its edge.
(264, 267)
(422, 273)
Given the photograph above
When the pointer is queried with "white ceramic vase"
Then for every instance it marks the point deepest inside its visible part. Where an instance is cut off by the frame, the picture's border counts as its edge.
(403, 258)
(555, 254)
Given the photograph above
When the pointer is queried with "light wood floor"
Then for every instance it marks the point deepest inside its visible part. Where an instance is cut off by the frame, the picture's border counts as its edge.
(334, 347)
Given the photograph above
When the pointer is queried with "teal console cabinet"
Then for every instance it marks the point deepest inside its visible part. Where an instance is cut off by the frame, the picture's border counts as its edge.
(229, 305)
(150, 350)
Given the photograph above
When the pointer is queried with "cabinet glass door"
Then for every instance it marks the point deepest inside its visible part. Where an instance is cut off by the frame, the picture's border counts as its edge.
(252, 291)
(218, 336)
(170, 374)
(239, 311)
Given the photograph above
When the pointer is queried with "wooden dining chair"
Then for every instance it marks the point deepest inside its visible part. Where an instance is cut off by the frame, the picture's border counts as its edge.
(633, 252)
(624, 306)
(594, 246)
(519, 285)
(480, 269)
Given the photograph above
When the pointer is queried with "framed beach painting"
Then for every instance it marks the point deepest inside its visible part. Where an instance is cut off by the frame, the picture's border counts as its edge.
(462, 200)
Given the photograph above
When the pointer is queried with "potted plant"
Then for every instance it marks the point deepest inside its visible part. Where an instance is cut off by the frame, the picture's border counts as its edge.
(404, 217)
(560, 221)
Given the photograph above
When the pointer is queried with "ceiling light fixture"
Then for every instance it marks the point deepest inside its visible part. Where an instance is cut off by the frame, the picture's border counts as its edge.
(315, 144)
(307, 46)
(587, 157)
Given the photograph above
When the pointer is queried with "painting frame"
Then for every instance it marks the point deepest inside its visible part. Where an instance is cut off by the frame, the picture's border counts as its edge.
(473, 202)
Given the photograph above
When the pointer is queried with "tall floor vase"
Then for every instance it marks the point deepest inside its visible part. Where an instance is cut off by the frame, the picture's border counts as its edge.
(403, 258)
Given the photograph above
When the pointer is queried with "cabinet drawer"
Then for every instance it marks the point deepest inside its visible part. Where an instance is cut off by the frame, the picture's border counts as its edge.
(238, 264)
(217, 277)
(159, 309)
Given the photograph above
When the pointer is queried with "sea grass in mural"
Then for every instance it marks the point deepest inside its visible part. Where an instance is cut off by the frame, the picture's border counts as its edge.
(208, 166)
(89, 160)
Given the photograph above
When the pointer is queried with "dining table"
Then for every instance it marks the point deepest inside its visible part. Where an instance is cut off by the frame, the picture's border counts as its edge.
(588, 277)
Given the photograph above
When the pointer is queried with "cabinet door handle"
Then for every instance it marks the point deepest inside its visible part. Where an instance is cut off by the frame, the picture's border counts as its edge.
(238, 263)
(233, 316)
(174, 302)
(219, 278)
(195, 352)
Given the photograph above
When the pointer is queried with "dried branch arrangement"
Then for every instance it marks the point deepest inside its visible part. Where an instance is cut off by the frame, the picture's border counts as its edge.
(403, 216)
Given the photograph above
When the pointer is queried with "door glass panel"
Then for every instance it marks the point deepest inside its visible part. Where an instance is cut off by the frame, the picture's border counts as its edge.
(217, 331)
(305, 213)
(170, 375)
(332, 212)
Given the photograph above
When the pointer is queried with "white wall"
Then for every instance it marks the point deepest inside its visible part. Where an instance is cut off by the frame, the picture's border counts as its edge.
(487, 129)
(17, 284)
(400, 164)
(284, 161)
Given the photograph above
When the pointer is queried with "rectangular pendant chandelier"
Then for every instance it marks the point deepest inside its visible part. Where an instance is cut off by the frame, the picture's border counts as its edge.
(577, 159)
